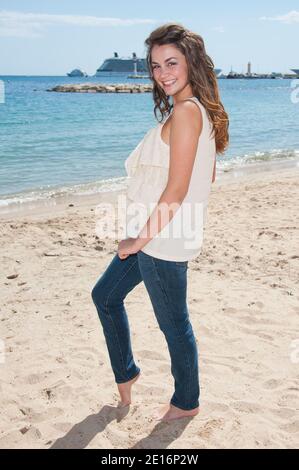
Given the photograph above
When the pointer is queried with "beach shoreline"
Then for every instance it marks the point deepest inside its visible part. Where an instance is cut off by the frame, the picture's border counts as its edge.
(62, 202)
(56, 380)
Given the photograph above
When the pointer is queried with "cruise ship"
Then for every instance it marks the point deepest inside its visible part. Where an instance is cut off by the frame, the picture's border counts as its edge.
(296, 71)
(127, 65)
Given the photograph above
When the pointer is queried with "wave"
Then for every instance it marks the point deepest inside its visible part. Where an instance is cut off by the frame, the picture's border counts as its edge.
(224, 164)
(60, 192)
(52, 194)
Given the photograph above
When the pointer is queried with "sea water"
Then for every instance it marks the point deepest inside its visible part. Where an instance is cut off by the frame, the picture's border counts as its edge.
(60, 143)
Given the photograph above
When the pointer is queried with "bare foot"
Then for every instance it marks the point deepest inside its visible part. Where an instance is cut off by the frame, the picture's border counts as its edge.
(125, 392)
(170, 412)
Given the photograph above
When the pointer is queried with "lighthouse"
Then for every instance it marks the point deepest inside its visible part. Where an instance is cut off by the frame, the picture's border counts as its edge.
(249, 69)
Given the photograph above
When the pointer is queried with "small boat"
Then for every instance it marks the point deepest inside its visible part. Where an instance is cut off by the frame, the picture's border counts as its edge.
(77, 73)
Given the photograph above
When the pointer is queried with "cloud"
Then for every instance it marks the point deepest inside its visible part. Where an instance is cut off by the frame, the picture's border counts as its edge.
(19, 24)
(288, 18)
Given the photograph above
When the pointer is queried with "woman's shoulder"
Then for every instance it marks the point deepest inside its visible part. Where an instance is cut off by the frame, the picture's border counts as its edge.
(188, 112)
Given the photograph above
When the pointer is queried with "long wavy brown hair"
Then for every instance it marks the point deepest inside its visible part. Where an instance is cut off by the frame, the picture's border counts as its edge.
(201, 75)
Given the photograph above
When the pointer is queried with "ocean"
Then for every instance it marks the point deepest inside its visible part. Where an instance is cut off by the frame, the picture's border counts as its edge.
(53, 144)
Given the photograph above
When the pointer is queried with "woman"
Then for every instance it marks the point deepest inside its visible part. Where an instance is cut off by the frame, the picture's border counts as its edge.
(171, 171)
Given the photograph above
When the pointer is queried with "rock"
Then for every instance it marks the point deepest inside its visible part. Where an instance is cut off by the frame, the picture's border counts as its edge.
(12, 276)
(24, 430)
(99, 248)
(102, 88)
(51, 254)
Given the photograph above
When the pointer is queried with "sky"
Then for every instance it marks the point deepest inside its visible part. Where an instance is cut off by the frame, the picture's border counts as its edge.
(51, 37)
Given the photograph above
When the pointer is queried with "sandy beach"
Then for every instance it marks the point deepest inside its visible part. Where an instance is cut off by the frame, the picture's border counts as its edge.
(57, 389)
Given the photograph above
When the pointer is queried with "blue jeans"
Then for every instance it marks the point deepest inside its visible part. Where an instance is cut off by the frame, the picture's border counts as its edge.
(166, 284)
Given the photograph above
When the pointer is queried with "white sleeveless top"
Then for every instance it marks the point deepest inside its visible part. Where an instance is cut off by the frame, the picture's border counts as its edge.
(147, 167)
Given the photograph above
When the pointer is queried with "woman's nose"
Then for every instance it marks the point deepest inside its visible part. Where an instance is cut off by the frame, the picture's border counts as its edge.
(164, 75)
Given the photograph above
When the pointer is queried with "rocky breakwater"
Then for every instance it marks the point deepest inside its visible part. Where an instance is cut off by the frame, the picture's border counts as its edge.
(102, 88)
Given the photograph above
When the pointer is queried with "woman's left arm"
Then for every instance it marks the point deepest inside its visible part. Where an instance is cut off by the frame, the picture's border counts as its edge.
(185, 130)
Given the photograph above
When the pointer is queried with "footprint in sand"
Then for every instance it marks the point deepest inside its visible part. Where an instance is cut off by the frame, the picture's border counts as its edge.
(259, 304)
(289, 400)
(271, 384)
(246, 407)
(209, 427)
(163, 368)
(58, 390)
(291, 427)
(218, 364)
(216, 406)
(147, 354)
(284, 413)
(151, 390)
(229, 310)
(39, 417)
(33, 379)
(87, 357)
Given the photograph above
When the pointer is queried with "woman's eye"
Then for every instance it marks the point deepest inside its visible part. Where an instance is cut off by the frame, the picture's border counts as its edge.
(169, 63)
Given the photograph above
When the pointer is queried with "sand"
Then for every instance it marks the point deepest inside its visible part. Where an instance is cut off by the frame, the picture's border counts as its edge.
(57, 389)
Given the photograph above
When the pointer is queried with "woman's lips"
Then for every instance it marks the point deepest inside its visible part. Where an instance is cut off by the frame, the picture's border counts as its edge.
(169, 84)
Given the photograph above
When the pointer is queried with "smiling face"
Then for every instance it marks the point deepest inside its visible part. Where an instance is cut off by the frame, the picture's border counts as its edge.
(170, 71)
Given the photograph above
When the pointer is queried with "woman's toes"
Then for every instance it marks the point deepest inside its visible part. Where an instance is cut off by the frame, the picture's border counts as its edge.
(169, 412)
